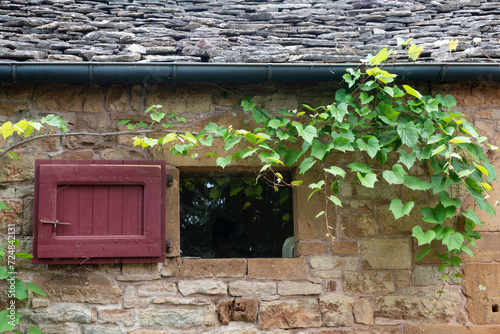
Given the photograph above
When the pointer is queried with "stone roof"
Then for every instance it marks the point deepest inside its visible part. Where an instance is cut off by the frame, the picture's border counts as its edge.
(243, 31)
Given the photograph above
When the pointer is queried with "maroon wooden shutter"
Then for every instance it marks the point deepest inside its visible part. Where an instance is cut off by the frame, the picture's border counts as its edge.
(99, 211)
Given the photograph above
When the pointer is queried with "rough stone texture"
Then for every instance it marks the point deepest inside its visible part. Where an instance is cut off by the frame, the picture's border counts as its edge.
(213, 267)
(363, 311)
(309, 248)
(482, 306)
(299, 313)
(69, 98)
(336, 311)
(448, 329)
(333, 263)
(358, 224)
(374, 254)
(427, 275)
(246, 288)
(356, 283)
(11, 217)
(240, 309)
(205, 287)
(486, 248)
(116, 317)
(176, 318)
(291, 268)
(291, 288)
(180, 100)
(61, 313)
(415, 306)
(156, 289)
(81, 287)
(344, 247)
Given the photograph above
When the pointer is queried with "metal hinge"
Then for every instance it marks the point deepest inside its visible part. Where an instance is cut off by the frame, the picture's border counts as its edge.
(54, 224)
(169, 245)
(170, 180)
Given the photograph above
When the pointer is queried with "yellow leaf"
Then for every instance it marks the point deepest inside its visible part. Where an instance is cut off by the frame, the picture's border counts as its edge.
(415, 51)
(170, 137)
(486, 186)
(483, 170)
(7, 130)
(138, 141)
(453, 45)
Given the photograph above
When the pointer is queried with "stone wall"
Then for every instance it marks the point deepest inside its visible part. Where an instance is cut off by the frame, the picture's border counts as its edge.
(364, 282)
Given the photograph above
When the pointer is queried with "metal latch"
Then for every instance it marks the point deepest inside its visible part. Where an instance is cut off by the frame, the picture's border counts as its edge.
(170, 180)
(54, 224)
(169, 245)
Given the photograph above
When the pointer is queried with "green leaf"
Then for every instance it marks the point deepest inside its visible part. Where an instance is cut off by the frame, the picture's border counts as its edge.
(20, 292)
(320, 214)
(415, 183)
(211, 128)
(3, 206)
(368, 180)
(399, 210)
(5, 320)
(408, 133)
(396, 176)
(260, 116)
(423, 253)
(334, 170)
(34, 288)
(335, 200)
(291, 156)
(318, 149)
(444, 197)
(274, 123)
(407, 159)
(412, 92)
(24, 255)
(34, 330)
(423, 237)
(223, 162)
(365, 99)
(338, 112)
(306, 165)
(207, 141)
(309, 133)
(380, 57)
(453, 241)
(473, 217)
(359, 167)
(123, 121)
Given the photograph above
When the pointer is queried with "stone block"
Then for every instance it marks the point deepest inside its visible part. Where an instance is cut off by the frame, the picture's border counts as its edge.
(470, 94)
(116, 99)
(276, 102)
(149, 331)
(277, 268)
(303, 248)
(204, 287)
(360, 283)
(59, 313)
(11, 108)
(375, 254)
(60, 328)
(427, 275)
(69, 98)
(213, 268)
(16, 92)
(93, 329)
(81, 287)
(293, 288)
(176, 318)
(412, 305)
(401, 278)
(23, 169)
(249, 288)
(404, 225)
(333, 263)
(39, 302)
(140, 268)
(329, 274)
(136, 99)
(363, 311)
(451, 329)
(299, 313)
(336, 311)
(115, 316)
(181, 99)
(138, 277)
(240, 309)
(483, 306)
(75, 155)
(158, 288)
(12, 217)
(358, 224)
(344, 247)
(181, 301)
(486, 248)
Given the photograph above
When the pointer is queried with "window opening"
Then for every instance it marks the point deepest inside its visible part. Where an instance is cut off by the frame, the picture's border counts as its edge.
(224, 215)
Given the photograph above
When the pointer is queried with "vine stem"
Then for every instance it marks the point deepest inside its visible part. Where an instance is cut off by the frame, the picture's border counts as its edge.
(84, 133)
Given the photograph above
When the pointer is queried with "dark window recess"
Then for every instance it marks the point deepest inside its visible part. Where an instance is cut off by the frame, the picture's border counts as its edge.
(227, 215)
(99, 211)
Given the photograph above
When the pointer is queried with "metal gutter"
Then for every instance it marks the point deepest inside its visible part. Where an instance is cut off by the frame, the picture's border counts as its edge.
(154, 73)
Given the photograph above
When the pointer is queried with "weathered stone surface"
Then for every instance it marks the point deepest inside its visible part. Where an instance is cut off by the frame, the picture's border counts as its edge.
(482, 306)
(333, 263)
(291, 288)
(444, 329)
(309, 248)
(11, 219)
(427, 275)
(116, 316)
(81, 287)
(60, 313)
(363, 311)
(156, 289)
(249, 288)
(39, 302)
(344, 247)
(415, 306)
(10, 108)
(358, 224)
(299, 313)
(286, 268)
(181, 100)
(93, 329)
(23, 169)
(245, 309)
(116, 99)
(485, 248)
(213, 267)
(69, 98)
(336, 311)
(204, 287)
(356, 283)
(374, 254)
(175, 318)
